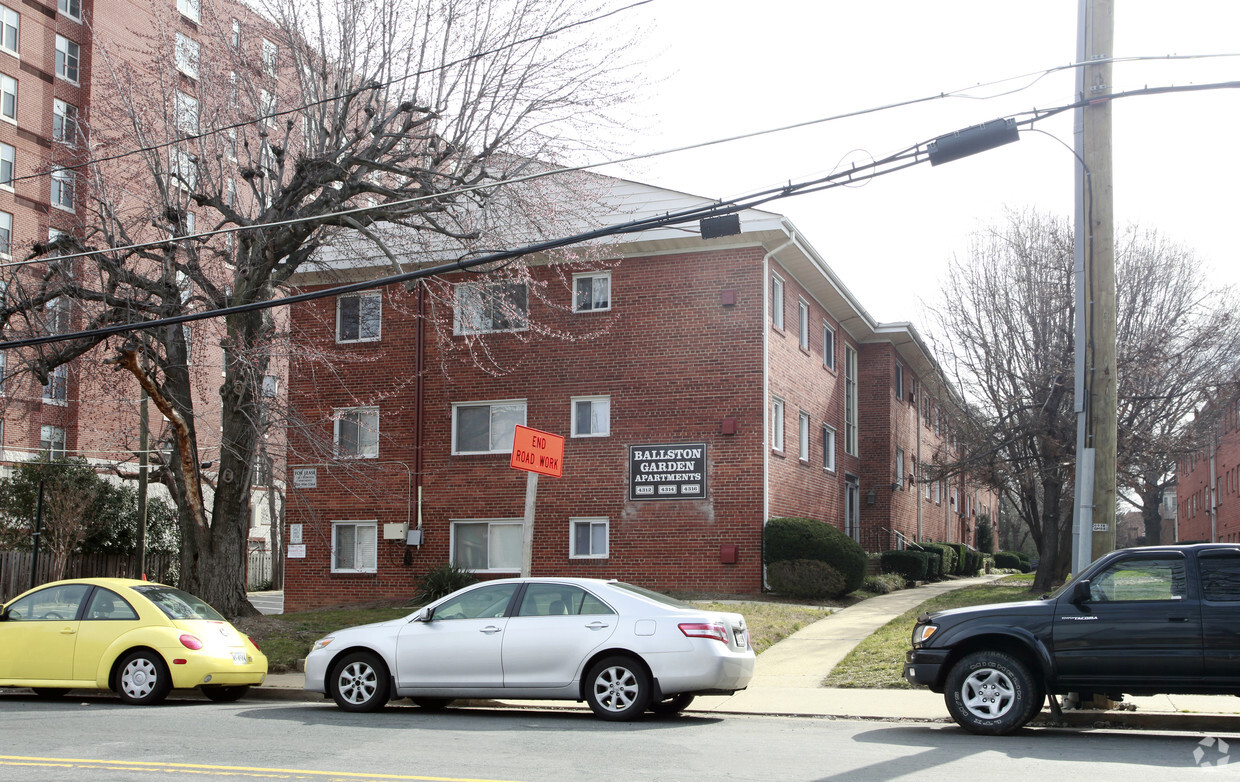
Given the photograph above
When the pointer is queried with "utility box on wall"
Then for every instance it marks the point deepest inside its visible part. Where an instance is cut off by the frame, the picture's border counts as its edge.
(727, 554)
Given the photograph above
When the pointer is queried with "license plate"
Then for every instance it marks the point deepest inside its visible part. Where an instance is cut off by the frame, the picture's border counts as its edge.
(740, 637)
(240, 658)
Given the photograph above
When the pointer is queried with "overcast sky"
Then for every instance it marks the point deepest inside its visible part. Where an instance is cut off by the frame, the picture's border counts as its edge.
(724, 67)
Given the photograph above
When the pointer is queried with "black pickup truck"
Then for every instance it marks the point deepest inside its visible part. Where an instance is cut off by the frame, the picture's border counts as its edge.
(1141, 621)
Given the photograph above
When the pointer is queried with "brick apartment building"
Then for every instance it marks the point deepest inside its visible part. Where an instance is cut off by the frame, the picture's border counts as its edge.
(1208, 485)
(58, 62)
(702, 387)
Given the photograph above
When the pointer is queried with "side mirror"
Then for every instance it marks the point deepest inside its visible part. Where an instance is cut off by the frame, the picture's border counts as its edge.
(1080, 592)
(424, 615)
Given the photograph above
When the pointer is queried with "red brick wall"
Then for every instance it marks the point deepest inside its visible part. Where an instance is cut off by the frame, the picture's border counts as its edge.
(1202, 483)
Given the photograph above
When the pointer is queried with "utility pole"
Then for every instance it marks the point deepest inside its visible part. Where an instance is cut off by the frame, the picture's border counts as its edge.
(1094, 509)
(144, 440)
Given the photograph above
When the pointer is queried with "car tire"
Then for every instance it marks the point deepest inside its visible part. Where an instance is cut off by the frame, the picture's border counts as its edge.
(618, 688)
(991, 693)
(359, 682)
(673, 705)
(142, 679)
(225, 693)
(432, 704)
(50, 692)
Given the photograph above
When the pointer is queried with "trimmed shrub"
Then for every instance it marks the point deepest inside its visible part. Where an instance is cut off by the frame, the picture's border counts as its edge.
(443, 580)
(909, 564)
(809, 578)
(1006, 560)
(960, 565)
(786, 539)
(946, 554)
(883, 584)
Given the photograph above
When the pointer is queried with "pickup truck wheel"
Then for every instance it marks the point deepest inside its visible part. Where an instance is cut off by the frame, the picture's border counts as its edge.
(991, 693)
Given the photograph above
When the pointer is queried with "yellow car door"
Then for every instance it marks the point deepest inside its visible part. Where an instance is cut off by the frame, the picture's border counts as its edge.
(39, 635)
(107, 617)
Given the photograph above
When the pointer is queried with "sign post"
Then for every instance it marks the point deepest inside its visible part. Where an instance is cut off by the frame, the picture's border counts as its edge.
(538, 453)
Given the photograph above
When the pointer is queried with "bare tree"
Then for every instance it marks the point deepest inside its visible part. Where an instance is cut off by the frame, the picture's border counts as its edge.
(1006, 320)
(312, 135)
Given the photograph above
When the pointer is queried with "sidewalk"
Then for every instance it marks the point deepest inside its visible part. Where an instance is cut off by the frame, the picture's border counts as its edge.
(788, 675)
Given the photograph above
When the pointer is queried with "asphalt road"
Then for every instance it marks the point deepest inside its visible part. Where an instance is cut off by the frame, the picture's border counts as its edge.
(97, 738)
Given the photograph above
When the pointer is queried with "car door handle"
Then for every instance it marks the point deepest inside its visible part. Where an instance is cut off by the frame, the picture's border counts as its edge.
(596, 625)
(489, 630)
(67, 631)
(1177, 619)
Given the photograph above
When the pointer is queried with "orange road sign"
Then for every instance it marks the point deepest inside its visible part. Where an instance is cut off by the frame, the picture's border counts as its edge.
(535, 451)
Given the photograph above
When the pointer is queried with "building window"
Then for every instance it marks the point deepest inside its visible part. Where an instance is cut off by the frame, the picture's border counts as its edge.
(592, 292)
(850, 401)
(485, 427)
(56, 315)
(777, 423)
(56, 390)
(777, 301)
(62, 189)
(828, 346)
(899, 382)
(189, 9)
(355, 546)
(71, 9)
(186, 55)
(52, 441)
(8, 98)
(271, 59)
(236, 33)
(899, 468)
(186, 112)
(489, 307)
(482, 546)
(803, 324)
(184, 169)
(64, 122)
(6, 234)
(267, 112)
(9, 23)
(589, 538)
(271, 386)
(8, 160)
(357, 433)
(925, 482)
(828, 448)
(591, 416)
(359, 317)
(68, 59)
(803, 437)
(937, 488)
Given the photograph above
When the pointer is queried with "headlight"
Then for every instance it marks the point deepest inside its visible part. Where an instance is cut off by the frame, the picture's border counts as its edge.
(922, 633)
(321, 643)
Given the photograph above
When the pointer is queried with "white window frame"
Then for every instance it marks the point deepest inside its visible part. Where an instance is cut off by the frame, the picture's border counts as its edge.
(360, 563)
(803, 324)
(68, 60)
(267, 110)
(492, 566)
(10, 20)
(271, 59)
(828, 346)
(899, 381)
(828, 448)
(183, 168)
(593, 277)
(593, 523)
(49, 438)
(900, 467)
(604, 401)
(502, 444)
(361, 417)
(187, 54)
(777, 301)
(467, 316)
(63, 185)
(8, 93)
(64, 122)
(66, 7)
(8, 159)
(4, 368)
(57, 315)
(236, 33)
(803, 437)
(185, 112)
(56, 390)
(6, 235)
(926, 482)
(851, 411)
(270, 387)
(190, 9)
(368, 329)
(777, 424)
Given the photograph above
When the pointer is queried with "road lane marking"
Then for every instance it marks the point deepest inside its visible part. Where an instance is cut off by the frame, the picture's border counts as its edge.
(195, 768)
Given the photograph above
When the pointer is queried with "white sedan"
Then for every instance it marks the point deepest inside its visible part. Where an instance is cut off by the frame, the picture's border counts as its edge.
(620, 648)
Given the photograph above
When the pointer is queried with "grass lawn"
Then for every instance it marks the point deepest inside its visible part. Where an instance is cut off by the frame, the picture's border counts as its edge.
(287, 638)
(878, 661)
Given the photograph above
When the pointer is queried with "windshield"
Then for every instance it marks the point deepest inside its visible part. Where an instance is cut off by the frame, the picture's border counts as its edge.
(177, 604)
(651, 595)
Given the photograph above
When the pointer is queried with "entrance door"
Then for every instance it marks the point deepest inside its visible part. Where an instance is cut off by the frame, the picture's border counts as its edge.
(852, 507)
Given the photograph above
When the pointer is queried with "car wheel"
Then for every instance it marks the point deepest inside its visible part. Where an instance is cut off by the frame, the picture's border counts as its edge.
(360, 683)
(673, 705)
(618, 688)
(432, 704)
(225, 693)
(50, 692)
(991, 693)
(143, 679)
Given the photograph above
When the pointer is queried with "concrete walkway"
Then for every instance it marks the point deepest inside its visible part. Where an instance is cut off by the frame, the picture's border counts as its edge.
(789, 676)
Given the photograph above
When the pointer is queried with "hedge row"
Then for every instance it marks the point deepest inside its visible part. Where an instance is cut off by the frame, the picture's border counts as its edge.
(796, 540)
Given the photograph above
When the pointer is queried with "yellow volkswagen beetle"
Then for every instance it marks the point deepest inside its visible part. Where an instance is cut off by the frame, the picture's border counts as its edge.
(137, 638)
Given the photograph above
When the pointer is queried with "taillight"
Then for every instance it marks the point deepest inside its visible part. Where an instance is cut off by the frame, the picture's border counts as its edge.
(191, 641)
(713, 630)
(253, 642)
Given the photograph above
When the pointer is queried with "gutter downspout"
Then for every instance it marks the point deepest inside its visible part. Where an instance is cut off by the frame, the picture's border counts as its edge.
(419, 396)
(920, 464)
(766, 378)
(1211, 494)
